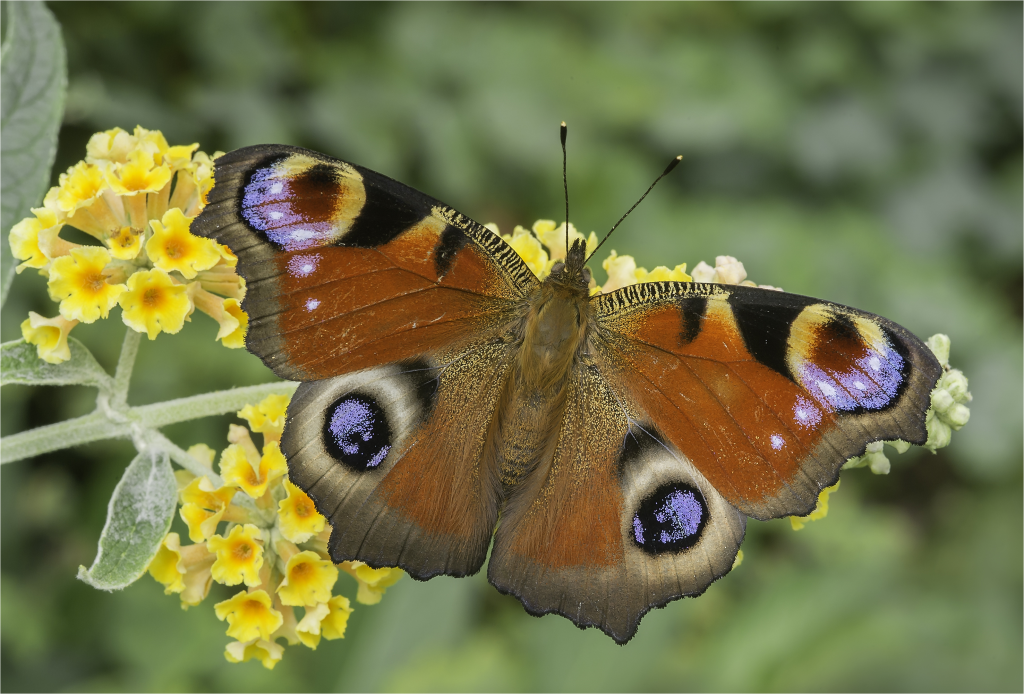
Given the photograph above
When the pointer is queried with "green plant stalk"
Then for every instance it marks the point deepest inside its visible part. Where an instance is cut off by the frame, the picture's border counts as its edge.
(101, 424)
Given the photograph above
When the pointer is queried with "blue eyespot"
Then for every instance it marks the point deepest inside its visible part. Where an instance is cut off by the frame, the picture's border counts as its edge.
(671, 519)
(356, 432)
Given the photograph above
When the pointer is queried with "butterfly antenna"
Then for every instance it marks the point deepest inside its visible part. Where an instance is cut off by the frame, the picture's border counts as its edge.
(565, 185)
(668, 169)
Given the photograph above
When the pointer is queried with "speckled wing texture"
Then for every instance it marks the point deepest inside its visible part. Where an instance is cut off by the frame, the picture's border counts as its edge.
(766, 393)
(347, 269)
(615, 523)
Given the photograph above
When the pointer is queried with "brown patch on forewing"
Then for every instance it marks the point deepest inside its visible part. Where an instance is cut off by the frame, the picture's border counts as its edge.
(341, 308)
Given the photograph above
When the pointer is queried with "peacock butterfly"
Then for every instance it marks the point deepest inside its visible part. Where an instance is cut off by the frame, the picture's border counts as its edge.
(618, 442)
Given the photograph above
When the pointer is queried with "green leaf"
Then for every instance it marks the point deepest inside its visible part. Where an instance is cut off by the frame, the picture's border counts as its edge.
(32, 87)
(19, 363)
(138, 518)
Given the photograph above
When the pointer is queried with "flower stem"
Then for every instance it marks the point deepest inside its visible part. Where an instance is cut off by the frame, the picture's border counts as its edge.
(98, 425)
(125, 365)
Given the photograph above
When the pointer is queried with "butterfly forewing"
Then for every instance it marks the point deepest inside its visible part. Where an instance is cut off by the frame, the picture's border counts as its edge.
(347, 269)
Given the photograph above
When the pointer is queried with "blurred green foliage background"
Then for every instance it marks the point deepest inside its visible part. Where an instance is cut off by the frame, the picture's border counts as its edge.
(869, 153)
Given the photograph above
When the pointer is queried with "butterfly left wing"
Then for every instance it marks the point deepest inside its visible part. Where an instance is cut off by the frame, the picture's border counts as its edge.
(391, 306)
(347, 269)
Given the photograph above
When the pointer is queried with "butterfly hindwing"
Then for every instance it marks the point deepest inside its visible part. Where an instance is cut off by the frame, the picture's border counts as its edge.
(767, 393)
(615, 523)
(395, 457)
(347, 269)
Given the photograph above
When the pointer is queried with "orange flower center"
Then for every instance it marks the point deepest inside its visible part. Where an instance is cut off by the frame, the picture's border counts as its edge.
(93, 281)
(174, 250)
(302, 571)
(303, 508)
(243, 550)
(151, 296)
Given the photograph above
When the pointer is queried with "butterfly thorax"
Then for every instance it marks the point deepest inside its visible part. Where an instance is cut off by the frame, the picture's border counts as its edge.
(556, 325)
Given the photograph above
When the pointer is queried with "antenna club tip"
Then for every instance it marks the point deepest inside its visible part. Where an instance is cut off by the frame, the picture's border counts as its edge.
(672, 164)
(564, 126)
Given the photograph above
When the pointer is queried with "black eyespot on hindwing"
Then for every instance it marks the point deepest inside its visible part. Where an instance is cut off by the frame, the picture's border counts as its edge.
(356, 432)
(671, 519)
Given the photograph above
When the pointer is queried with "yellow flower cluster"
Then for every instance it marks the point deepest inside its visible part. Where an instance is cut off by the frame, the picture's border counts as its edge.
(544, 244)
(275, 546)
(136, 196)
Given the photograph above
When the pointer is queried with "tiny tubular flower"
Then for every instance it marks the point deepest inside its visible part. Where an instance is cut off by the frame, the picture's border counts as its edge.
(139, 174)
(298, 516)
(238, 470)
(621, 271)
(239, 556)
(111, 145)
(203, 507)
(227, 312)
(308, 579)
(554, 237)
(267, 652)
(79, 282)
(268, 416)
(125, 243)
(25, 238)
(203, 453)
(49, 335)
(309, 627)
(819, 512)
(250, 615)
(663, 274)
(80, 186)
(372, 582)
(173, 247)
(333, 625)
(703, 272)
(728, 270)
(236, 338)
(154, 303)
(184, 570)
(166, 567)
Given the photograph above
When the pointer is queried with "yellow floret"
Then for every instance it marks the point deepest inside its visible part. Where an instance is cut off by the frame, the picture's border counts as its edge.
(298, 516)
(267, 652)
(239, 556)
(238, 470)
(372, 582)
(268, 416)
(249, 615)
(49, 335)
(308, 580)
(172, 247)
(79, 282)
(203, 507)
(154, 303)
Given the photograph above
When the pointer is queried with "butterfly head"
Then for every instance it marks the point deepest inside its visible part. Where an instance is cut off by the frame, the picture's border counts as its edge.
(572, 273)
